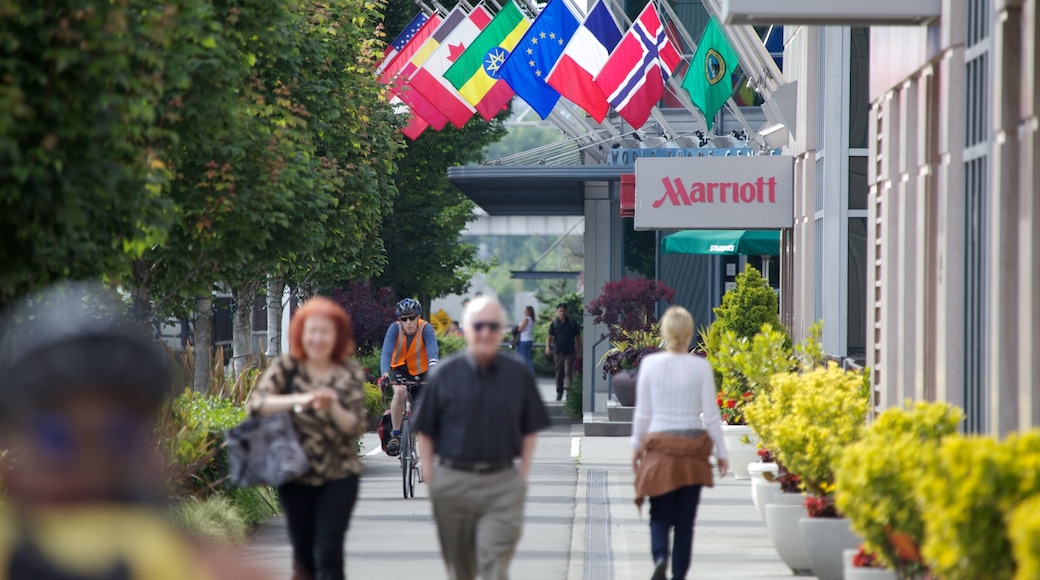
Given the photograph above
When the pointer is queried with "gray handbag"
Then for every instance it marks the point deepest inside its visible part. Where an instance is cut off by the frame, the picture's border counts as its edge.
(265, 450)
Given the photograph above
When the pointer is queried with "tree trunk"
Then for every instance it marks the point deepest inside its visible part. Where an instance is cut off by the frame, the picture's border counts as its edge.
(275, 294)
(242, 329)
(203, 344)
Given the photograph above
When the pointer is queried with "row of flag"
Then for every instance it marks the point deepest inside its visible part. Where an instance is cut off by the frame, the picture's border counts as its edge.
(443, 70)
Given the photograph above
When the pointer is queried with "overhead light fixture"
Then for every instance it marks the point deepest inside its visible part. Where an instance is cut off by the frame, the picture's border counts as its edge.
(771, 137)
(831, 12)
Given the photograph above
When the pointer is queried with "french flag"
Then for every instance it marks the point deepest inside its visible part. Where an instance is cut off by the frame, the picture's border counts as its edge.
(588, 50)
(634, 75)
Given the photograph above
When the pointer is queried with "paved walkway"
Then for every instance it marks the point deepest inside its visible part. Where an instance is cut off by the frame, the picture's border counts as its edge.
(580, 521)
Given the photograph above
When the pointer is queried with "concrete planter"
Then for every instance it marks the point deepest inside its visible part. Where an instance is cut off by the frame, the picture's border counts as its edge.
(764, 493)
(854, 573)
(624, 385)
(757, 472)
(782, 522)
(740, 454)
(825, 541)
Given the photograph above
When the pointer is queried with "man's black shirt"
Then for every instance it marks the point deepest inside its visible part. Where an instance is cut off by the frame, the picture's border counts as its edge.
(564, 334)
(478, 415)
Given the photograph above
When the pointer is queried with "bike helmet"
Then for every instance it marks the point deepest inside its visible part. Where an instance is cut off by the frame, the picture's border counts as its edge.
(408, 307)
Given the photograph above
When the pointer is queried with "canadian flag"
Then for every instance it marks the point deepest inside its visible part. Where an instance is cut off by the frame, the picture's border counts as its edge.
(634, 75)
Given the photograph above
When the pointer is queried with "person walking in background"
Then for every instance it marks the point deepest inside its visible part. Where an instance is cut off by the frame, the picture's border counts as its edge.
(82, 475)
(526, 349)
(563, 337)
(480, 412)
(323, 387)
(676, 421)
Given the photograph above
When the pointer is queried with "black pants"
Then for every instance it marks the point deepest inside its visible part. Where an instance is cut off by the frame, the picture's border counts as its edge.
(674, 510)
(318, 518)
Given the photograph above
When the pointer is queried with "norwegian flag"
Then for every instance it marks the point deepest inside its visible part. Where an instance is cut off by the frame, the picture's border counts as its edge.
(633, 78)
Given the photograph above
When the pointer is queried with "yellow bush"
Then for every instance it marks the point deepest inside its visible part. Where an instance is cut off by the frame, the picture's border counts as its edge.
(967, 495)
(808, 420)
(1024, 530)
(875, 479)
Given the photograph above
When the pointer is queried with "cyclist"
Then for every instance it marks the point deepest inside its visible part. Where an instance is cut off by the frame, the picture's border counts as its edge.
(410, 347)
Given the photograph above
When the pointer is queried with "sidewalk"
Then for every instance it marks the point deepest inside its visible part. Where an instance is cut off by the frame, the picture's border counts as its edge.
(580, 520)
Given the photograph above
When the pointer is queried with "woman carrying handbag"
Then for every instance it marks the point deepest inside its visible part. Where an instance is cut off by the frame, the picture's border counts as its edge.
(322, 389)
(675, 425)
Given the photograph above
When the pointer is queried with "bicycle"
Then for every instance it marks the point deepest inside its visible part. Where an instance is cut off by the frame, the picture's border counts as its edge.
(409, 453)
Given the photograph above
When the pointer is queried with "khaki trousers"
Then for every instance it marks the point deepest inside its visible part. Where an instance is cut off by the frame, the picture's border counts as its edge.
(479, 520)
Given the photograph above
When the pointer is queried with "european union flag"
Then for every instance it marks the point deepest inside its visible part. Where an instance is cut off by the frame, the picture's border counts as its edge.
(537, 52)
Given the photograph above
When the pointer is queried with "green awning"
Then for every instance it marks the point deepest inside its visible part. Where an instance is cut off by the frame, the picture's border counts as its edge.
(723, 242)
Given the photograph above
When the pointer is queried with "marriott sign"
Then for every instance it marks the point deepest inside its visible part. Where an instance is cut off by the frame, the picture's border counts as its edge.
(714, 193)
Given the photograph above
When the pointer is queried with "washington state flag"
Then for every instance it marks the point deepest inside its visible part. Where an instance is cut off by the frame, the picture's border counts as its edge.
(709, 80)
(477, 72)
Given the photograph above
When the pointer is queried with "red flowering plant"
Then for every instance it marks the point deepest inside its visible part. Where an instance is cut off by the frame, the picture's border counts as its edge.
(866, 559)
(628, 309)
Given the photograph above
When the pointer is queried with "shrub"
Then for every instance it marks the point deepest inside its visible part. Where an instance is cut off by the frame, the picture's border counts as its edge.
(966, 498)
(629, 304)
(573, 404)
(808, 419)
(1024, 530)
(743, 367)
(450, 345)
(628, 351)
(254, 504)
(375, 401)
(744, 310)
(876, 476)
(369, 360)
(213, 520)
(371, 311)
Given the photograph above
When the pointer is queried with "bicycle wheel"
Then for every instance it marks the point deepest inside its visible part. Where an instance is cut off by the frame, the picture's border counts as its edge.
(407, 460)
(416, 475)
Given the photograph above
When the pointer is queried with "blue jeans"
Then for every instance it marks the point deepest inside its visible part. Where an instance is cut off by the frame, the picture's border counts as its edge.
(526, 353)
(676, 509)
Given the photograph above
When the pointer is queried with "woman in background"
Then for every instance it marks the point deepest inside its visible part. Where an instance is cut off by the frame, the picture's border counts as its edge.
(526, 348)
(675, 425)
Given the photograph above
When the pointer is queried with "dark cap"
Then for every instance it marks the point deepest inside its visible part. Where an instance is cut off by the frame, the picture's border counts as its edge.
(73, 338)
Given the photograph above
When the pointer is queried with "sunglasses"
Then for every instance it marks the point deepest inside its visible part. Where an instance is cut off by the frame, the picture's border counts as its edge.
(407, 318)
(479, 326)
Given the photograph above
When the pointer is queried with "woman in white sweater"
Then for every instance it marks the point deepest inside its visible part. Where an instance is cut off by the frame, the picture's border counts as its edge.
(676, 422)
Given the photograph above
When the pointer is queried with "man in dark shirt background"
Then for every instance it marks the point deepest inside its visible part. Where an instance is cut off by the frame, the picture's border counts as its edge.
(563, 334)
(480, 411)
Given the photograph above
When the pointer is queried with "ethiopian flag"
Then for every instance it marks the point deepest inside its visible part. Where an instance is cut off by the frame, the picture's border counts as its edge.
(477, 72)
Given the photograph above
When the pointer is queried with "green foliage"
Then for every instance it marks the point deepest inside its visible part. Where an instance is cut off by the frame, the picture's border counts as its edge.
(214, 520)
(1024, 530)
(876, 476)
(375, 401)
(369, 360)
(807, 420)
(745, 367)
(255, 504)
(450, 345)
(629, 347)
(967, 495)
(573, 403)
(83, 137)
(744, 310)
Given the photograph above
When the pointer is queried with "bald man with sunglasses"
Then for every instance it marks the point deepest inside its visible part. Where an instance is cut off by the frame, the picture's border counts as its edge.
(479, 420)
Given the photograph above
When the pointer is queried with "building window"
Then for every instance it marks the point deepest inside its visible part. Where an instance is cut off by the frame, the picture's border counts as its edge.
(859, 87)
(857, 288)
(859, 191)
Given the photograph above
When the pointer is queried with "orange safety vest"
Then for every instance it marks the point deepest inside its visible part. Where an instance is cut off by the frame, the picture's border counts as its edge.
(413, 355)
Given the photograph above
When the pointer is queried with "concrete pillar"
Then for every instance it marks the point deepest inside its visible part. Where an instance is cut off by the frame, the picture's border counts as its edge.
(890, 367)
(1004, 222)
(598, 243)
(1029, 221)
(925, 236)
(906, 254)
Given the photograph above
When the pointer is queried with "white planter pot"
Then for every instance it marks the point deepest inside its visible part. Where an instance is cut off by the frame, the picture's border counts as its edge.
(825, 540)
(854, 573)
(782, 522)
(758, 470)
(762, 493)
(740, 454)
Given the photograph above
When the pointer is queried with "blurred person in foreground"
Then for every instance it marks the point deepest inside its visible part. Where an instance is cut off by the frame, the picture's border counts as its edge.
(323, 387)
(676, 421)
(79, 402)
(480, 412)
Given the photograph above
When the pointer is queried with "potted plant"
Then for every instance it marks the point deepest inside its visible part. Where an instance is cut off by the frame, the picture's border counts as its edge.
(876, 478)
(862, 564)
(628, 309)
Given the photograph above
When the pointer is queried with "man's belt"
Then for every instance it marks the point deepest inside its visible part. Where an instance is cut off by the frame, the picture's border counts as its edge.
(476, 466)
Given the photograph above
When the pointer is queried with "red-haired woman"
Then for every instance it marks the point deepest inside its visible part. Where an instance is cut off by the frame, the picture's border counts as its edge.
(323, 388)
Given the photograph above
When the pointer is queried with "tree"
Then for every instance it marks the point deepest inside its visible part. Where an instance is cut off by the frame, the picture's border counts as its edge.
(425, 257)
(745, 309)
(83, 142)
